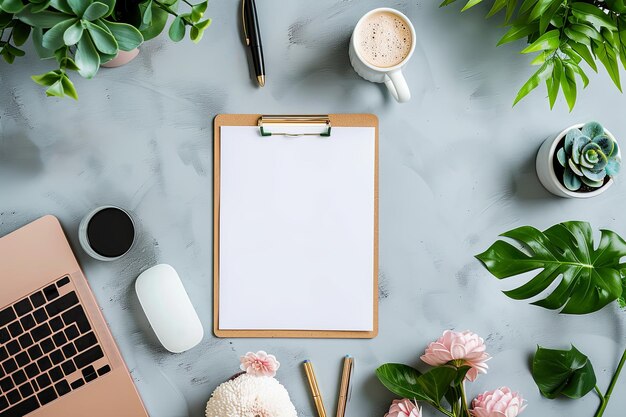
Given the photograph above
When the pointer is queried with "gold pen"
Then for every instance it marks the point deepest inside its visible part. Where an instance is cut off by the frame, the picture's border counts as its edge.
(315, 391)
(344, 388)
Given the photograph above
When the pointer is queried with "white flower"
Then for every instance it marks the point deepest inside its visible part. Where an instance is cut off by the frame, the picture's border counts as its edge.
(250, 396)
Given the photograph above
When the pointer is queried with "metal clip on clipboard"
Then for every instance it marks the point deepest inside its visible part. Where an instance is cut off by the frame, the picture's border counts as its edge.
(294, 126)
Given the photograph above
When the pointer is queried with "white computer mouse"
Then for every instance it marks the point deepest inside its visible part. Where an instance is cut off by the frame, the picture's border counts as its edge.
(168, 308)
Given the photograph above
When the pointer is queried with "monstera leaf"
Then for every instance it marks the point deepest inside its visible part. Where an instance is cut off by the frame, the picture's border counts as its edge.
(588, 278)
(563, 372)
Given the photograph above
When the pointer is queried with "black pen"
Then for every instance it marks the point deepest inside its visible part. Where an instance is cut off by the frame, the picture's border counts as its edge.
(253, 38)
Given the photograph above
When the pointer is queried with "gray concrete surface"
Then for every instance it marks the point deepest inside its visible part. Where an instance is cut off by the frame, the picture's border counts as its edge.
(456, 169)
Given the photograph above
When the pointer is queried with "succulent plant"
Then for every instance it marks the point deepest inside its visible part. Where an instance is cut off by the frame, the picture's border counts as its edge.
(588, 156)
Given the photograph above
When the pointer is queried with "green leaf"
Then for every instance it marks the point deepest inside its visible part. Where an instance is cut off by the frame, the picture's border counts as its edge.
(5, 19)
(146, 17)
(127, 36)
(110, 5)
(21, 32)
(568, 84)
(588, 278)
(13, 50)
(592, 14)
(53, 39)
(40, 6)
(72, 34)
(55, 89)
(177, 29)
(201, 26)
(11, 6)
(62, 6)
(197, 11)
(517, 32)
(37, 39)
(526, 6)
(548, 41)
(68, 87)
(159, 20)
(79, 6)
(584, 53)
(95, 10)
(497, 6)
(580, 72)
(563, 372)
(546, 18)
(87, 57)
(540, 8)
(577, 36)
(622, 299)
(8, 57)
(470, 4)
(407, 382)
(553, 83)
(104, 41)
(609, 60)
(44, 19)
(541, 75)
(46, 79)
(510, 8)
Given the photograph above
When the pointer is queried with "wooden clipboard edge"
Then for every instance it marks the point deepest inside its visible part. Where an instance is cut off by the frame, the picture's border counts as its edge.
(337, 120)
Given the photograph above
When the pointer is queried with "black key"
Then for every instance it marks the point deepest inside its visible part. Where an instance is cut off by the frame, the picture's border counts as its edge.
(32, 370)
(77, 315)
(28, 322)
(3, 403)
(85, 341)
(88, 371)
(15, 329)
(7, 315)
(59, 339)
(37, 299)
(41, 331)
(4, 335)
(105, 369)
(35, 352)
(91, 377)
(13, 347)
(55, 373)
(51, 292)
(57, 357)
(63, 281)
(43, 381)
(23, 306)
(47, 345)
(1, 372)
(21, 409)
(69, 350)
(9, 365)
(19, 377)
(34, 384)
(68, 367)
(14, 396)
(44, 364)
(22, 359)
(72, 333)
(6, 384)
(77, 384)
(25, 340)
(47, 395)
(61, 304)
(26, 390)
(62, 388)
(3, 353)
(56, 324)
(40, 315)
(88, 356)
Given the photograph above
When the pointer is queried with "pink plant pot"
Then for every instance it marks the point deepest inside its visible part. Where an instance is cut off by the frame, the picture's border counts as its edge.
(122, 58)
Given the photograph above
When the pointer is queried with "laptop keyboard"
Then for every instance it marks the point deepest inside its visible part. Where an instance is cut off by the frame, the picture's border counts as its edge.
(47, 349)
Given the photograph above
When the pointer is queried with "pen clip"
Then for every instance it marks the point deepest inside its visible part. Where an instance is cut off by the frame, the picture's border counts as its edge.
(243, 22)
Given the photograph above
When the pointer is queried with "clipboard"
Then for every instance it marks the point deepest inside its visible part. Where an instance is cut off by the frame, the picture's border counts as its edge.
(293, 126)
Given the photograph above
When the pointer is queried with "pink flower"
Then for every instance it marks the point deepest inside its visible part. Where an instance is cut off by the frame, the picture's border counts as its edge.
(404, 408)
(259, 364)
(498, 403)
(465, 348)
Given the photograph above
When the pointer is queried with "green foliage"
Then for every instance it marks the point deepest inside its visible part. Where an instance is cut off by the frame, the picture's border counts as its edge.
(563, 372)
(588, 278)
(431, 386)
(564, 33)
(83, 34)
(588, 156)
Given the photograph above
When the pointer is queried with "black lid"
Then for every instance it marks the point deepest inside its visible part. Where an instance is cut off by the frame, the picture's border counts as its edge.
(111, 232)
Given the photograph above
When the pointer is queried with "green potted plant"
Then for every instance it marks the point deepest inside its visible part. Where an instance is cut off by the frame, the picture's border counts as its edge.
(82, 35)
(563, 34)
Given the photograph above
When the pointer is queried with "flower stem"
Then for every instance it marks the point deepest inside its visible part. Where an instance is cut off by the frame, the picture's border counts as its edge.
(444, 411)
(607, 396)
(464, 409)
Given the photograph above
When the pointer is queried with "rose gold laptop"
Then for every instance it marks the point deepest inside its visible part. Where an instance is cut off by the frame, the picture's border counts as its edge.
(57, 356)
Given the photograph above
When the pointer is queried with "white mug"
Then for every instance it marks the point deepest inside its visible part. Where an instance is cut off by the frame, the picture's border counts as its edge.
(391, 76)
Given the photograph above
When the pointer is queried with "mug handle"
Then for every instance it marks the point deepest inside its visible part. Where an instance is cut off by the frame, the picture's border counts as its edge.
(397, 86)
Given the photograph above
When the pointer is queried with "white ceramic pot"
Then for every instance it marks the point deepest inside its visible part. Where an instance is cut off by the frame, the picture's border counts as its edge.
(545, 167)
(122, 58)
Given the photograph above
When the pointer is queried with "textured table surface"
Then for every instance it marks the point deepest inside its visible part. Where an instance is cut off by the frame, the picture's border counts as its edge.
(456, 169)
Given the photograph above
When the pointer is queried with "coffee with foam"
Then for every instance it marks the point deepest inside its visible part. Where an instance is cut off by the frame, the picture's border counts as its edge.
(384, 39)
